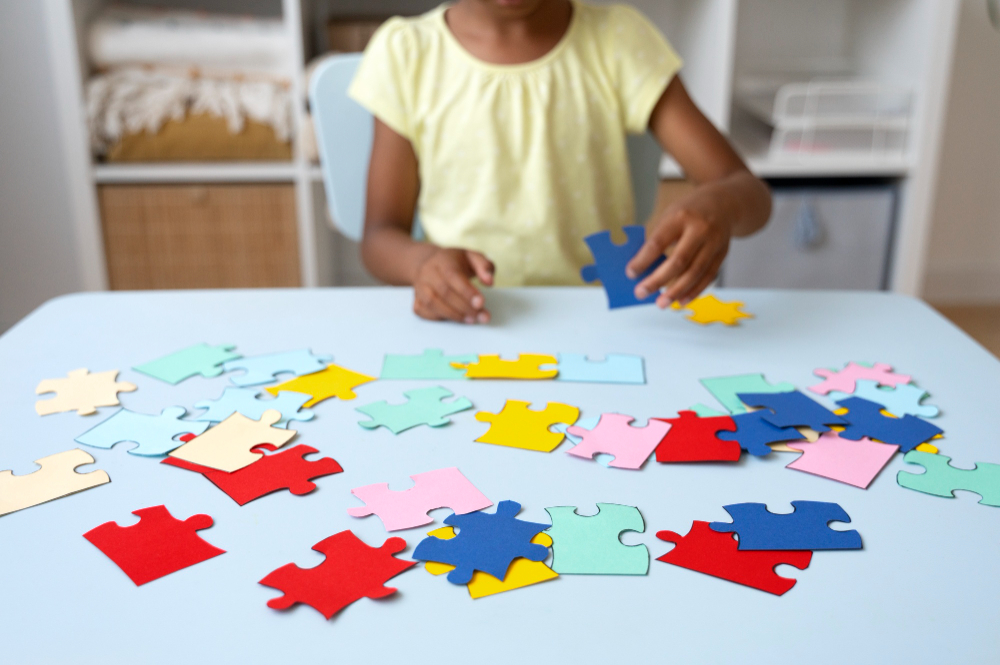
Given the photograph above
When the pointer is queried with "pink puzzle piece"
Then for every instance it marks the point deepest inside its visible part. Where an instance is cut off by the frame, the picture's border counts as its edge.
(843, 381)
(852, 462)
(613, 435)
(444, 488)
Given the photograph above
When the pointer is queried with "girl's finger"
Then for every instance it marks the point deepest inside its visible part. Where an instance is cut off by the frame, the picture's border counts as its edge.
(676, 265)
(663, 236)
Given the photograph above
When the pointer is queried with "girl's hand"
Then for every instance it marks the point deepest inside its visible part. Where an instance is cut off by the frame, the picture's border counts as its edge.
(442, 287)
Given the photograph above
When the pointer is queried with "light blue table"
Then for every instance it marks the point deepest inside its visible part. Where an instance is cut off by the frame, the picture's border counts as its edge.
(925, 589)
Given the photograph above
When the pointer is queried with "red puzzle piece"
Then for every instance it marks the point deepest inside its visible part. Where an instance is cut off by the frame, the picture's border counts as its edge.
(278, 471)
(693, 439)
(158, 545)
(704, 551)
(352, 571)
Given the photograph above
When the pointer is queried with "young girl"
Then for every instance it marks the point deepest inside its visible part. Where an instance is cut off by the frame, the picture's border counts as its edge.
(502, 123)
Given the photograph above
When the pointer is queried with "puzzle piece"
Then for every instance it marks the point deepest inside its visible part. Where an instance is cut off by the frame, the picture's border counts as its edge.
(805, 528)
(717, 554)
(940, 478)
(844, 380)
(158, 545)
(424, 406)
(522, 572)
(334, 381)
(488, 542)
(694, 439)
(247, 402)
(631, 446)
(202, 359)
(609, 266)
(264, 369)
(900, 401)
(615, 368)
(753, 433)
(352, 570)
(726, 389)
(792, 409)
(708, 309)
(517, 426)
(82, 392)
(591, 544)
(865, 419)
(156, 435)
(527, 366)
(432, 364)
(55, 479)
(846, 461)
(285, 470)
(443, 488)
(228, 446)
(704, 411)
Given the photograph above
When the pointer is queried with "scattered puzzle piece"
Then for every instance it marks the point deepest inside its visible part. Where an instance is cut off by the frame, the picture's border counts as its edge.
(709, 309)
(247, 402)
(228, 446)
(903, 400)
(704, 411)
(527, 366)
(865, 419)
(846, 461)
(631, 446)
(443, 488)
(156, 435)
(717, 554)
(805, 528)
(158, 545)
(82, 392)
(792, 409)
(517, 426)
(200, 359)
(694, 439)
(432, 364)
(615, 368)
(753, 433)
(334, 381)
(591, 544)
(55, 479)
(940, 478)
(726, 389)
(264, 369)
(424, 406)
(609, 266)
(927, 448)
(352, 571)
(486, 542)
(844, 380)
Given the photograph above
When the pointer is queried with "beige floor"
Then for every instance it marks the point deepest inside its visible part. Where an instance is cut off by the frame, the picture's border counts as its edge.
(981, 323)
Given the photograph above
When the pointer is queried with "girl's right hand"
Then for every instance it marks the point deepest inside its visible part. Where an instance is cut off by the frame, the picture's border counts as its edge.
(443, 290)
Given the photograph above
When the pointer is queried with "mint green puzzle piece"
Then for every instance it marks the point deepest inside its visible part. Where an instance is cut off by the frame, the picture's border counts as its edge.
(726, 388)
(431, 364)
(591, 545)
(424, 407)
(703, 411)
(201, 359)
(941, 478)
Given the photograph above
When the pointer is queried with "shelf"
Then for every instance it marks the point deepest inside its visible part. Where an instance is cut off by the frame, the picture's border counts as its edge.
(826, 166)
(195, 172)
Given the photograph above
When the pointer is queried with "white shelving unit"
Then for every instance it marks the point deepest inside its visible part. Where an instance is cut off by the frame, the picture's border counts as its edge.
(901, 42)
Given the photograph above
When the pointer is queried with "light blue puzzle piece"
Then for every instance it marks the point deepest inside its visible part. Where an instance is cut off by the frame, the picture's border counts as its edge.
(198, 359)
(900, 401)
(423, 407)
(615, 368)
(247, 402)
(263, 369)
(726, 388)
(156, 435)
(432, 364)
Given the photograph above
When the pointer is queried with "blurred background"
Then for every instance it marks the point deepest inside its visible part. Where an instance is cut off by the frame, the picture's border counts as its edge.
(170, 145)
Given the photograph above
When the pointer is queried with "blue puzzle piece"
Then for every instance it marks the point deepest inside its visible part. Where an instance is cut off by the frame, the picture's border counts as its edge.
(792, 410)
(753, 433)
(864, 420)
(156, 435)
(615, 368)
(804, 529)
(263, 369)
(247, 402)
(903, 400)
(609, 266)
(486, 541)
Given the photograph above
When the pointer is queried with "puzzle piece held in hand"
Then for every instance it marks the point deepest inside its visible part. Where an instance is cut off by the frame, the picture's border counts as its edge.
(488, 542)
(845, 380)
(615, 368)
(940, 478)
(264, 369)
(717, 554)
(903, 400)
(609, 266)
(805, 528)
(591, 544)
(82, 392)
(158, 545)
(753, 433)
(54, 480)
(527, 366)
(248, 402)
(202, 359)
(517, 426)
(228, 446)
(846, 461)
(726, 389)
(631, 446)
(694, 439)
(432, 364)
(424, 406)
(865, 419)
(708, 309)
(792, 409)
(156, 435)
(334, 381)
(352, 571)
(443, 488)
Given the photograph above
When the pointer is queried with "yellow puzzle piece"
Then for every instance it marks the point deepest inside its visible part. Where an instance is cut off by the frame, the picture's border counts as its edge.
(82, 392)
(522, 572)
(57, 478)
(518, 426)
(928, 448)
(226, 446)
(334, 381)
(709, 309)
(527, 366)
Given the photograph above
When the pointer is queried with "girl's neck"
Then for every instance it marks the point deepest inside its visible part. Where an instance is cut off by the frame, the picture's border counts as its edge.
(498, 38)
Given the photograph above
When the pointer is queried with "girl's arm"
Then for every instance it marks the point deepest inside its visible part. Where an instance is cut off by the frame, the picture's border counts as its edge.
(728, 201)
